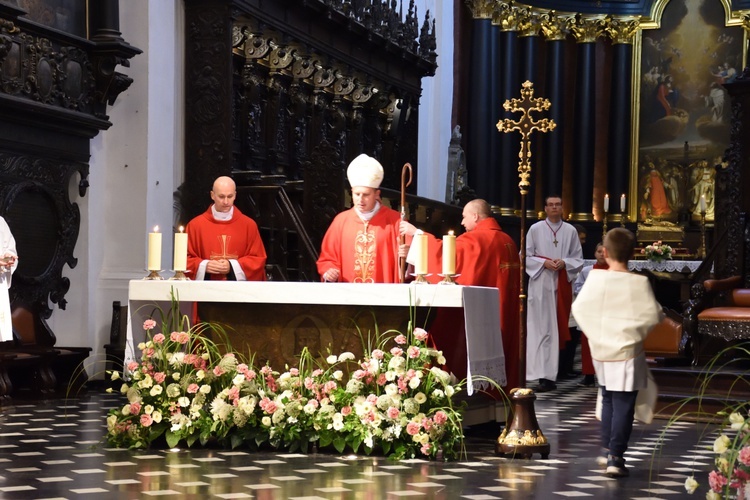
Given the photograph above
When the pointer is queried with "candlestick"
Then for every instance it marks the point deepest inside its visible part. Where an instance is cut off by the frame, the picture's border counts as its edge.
(622, 203)
(702, 250)
(180, 250)
(606, 203)
(420, 266)
(703, 203)
(449, 253)
(154, 250)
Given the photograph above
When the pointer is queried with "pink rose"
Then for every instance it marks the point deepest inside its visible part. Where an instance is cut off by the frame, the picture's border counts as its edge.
(412, 428)
(378, 354)
(372, 399)
(294, 372)
(397, 351)
(440, 417)
(192, 389)
(420, 334)
(381, 379)
(427, 424)
(425, 449)
(392, 412)
(317, 372)
(400, 339)
(149, 324)
(146, 420)
(135, 408)
(413, 351)
(716, 481)
(359, 374)
(218, 371)
(346, 410)
(160, 377)
(159, 338)
(132, 366)
(744, 455)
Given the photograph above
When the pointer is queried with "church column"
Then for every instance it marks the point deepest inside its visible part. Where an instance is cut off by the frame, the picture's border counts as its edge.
(622, 33)
(481, 126)
(505, 146)
(585, 31)
(554, 29)
(104, 21)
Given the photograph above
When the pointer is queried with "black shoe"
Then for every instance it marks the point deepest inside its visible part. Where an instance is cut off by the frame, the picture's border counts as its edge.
(616, 467)
(587, 381)
(545, 385)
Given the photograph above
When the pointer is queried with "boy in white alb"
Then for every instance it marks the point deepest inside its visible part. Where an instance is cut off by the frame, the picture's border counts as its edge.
(617, 310)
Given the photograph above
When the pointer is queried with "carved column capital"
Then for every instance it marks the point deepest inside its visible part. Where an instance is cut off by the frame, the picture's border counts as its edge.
(554, 26)
(505, 15)
(586, 30)
(622, 30)
(481, 9)
(529, 23)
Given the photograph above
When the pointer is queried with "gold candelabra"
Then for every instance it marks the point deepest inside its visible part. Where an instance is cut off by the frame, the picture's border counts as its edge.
(702, 249)
(604, 224)
(624, 219)
(153, 274)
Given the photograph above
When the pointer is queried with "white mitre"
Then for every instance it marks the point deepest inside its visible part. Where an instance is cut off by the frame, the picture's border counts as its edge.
(365, 171)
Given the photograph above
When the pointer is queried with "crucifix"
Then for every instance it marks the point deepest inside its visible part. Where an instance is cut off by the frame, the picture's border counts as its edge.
(523, 436)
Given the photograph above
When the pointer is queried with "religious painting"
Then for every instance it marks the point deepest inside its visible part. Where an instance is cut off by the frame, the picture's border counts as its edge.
(684, 110)
(65, 15)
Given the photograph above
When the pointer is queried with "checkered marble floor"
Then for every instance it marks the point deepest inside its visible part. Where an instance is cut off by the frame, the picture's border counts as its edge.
(55, 449)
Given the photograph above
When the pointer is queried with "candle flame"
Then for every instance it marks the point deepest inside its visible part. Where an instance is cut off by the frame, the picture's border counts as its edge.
(182, 229)
(450, 233)
(156, 229)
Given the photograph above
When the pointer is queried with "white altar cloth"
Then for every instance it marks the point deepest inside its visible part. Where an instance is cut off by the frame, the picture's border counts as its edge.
(480, 304)
(670, 266)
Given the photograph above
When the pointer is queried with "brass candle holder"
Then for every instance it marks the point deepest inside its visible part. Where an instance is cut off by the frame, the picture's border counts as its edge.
(420, 278)
(702, 249)
(604, 225)
(448, 279)
(180, 276)
(624, 220)
(153, 274)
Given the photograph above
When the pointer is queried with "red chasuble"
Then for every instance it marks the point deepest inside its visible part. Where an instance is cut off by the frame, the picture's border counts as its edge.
(235, 239)
(485, 256)
(364, 252)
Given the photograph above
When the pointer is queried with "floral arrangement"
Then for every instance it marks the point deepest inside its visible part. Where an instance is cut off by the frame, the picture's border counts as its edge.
(396, 400)
(732, 473)
(657, 251)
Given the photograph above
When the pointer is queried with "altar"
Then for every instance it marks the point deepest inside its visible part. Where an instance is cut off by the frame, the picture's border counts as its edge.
(272, 321)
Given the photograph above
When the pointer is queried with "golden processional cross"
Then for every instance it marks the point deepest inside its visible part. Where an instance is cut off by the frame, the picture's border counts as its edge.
(523, 436)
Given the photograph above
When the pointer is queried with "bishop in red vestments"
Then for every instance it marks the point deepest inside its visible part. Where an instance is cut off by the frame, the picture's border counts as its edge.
(361, 244)
(485, 256)
(223, 243)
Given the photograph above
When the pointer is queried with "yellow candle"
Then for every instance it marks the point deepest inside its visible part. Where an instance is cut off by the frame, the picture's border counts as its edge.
(703, 203)
(180, 250)
(449, 253)
(154, 250)
(420, 266)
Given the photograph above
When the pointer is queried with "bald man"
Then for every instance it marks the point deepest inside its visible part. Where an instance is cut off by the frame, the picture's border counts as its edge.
(485, 256)
(224, 244)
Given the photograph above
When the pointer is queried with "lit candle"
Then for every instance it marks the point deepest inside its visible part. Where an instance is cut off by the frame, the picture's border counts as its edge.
(154, 250)
(420, 241)
(622, 203)
(703, 203)
(449, 253)
(180, 250)
(606, 203)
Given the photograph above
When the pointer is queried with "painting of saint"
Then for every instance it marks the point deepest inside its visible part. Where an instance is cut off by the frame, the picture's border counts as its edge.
(684, 107)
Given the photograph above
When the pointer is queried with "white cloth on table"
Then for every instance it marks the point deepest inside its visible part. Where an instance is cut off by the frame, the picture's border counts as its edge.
(7, 245)
(484, 347)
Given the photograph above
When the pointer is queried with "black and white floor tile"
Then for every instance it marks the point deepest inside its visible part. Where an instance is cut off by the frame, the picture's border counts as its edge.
(55, 449)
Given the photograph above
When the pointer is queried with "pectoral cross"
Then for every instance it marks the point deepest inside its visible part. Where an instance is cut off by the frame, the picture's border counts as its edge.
(526, 125)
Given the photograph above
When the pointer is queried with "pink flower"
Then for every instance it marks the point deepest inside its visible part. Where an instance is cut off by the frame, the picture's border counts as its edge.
(440, 417)
(294, 372)
(159, 338)
(413, 351)
(372, 399)
(149, 324)
(359, 374)
(427, 424)
(425, 449)
(266, 370)
(146, 420)
(382, 380)
(716, 481)
(400, 339)
(412, 428)
(160, 377)
(420, 334)
(192, 389)
(346, 410)
(132, 366)
(233, 394)
(378, 354)
(397, 351)
(402, 385)
(218, 371)
(135, 408)
(392, 412)
(309, 383)
(744, 455)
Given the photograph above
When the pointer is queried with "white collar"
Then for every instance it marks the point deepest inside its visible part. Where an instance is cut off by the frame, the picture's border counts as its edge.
(222, 216)
(366, 216)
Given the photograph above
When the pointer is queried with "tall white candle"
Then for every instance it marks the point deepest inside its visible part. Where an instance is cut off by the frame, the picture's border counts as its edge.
(420, 241)
(449, 253)
(622, 203)
(703, 203)
(180, 250)
(154, 250)
(606, 203)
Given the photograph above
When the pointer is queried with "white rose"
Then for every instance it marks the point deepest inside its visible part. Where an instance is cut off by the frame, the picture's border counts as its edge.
(266, 421)
(414, 383)
(205, 389)
(721, 444)
(441, 360)
(115, 375)
(156, 416)
(691, 484)
(737, 421)
(238, 379)
(331, 359)
(200, 374)
(449, 391)
(420, 397)
(156, 390)
(338, 375)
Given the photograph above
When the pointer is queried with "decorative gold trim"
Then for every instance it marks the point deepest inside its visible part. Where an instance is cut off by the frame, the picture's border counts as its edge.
(622, 30)
(580, 217)
(529, 22)
(505, 211)
(481, 9)
(653, 21)
(505, 15)
(586, 29)
(554, 26)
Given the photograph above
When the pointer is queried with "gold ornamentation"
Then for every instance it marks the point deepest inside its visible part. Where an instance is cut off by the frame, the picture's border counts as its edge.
(746, 22)
(303, 67)
(481, 9)
(505, 16)
(526, 125)
(586, 30)
(554, 27)
(528, 438)
(529, 23)
(622, 30)
(281, 57)
(364, 256)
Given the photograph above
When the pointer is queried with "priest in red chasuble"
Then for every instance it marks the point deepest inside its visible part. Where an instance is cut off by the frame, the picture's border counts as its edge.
(361, 244)
(223, 243)
(485, 256)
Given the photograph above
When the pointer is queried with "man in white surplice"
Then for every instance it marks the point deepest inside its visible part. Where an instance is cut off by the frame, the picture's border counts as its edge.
(553, 260)
(8, 263)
